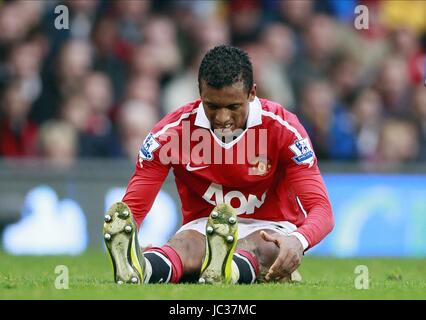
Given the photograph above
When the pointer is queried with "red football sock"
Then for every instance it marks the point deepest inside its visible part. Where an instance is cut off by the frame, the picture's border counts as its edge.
(247, 265)
(161, 263)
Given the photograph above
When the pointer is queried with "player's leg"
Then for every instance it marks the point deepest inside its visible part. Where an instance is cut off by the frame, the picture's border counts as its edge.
(256, 257)
(182, 255)
(225, 262)
(229, 260)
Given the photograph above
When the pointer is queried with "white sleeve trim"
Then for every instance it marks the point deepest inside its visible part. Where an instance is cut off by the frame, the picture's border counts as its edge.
(301, 238)
(301, 207)
(282, 122)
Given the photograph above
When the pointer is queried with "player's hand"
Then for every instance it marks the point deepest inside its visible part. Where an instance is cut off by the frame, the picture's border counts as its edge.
(289, 257)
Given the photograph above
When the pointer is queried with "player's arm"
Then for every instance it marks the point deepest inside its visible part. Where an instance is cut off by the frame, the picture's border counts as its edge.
(146, 182)
(304, 182)
(308, 185)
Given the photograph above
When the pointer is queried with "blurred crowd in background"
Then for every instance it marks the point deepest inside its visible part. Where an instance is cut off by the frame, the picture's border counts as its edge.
(97, 88)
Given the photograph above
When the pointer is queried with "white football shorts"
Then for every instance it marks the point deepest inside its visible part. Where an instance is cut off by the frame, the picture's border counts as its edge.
(246, 226)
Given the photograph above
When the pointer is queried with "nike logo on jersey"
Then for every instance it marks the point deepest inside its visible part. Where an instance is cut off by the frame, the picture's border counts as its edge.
(191, 169)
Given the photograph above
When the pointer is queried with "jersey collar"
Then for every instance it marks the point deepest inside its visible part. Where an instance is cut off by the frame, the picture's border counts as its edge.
(254, 117)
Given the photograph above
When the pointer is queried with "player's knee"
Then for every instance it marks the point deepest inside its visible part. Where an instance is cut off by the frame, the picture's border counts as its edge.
(190, 247)
(267, 253)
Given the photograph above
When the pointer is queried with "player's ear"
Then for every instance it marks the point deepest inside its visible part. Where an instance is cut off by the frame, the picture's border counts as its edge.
(252, 93)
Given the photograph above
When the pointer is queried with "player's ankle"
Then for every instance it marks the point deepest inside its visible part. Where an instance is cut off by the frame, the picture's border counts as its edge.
(163, 265)
(245, 268)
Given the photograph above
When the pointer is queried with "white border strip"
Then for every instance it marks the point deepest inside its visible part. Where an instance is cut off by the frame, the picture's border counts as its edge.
(283, 122)
(301, 207)
(176, 123)
(253, 272)
(228, 145)
(167, 261)
(302, 239)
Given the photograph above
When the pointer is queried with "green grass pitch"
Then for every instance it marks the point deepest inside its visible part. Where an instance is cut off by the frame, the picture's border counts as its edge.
(90, 277)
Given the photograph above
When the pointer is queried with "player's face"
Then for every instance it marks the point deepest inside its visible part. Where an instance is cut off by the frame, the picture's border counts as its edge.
(227, 108)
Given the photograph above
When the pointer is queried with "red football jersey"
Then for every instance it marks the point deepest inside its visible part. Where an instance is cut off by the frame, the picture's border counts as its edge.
(269, 172)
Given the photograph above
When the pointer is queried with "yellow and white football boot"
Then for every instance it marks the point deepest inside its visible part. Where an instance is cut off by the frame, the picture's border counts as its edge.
(121, 239)
(221, 241)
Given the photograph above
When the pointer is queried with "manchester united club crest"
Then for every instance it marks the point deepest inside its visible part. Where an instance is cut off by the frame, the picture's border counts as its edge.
(261, 168)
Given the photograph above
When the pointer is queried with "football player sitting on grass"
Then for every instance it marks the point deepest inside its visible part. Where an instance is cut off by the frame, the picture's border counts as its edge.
(253, 199)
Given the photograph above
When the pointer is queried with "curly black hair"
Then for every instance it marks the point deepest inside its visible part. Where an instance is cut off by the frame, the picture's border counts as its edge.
(225, 65)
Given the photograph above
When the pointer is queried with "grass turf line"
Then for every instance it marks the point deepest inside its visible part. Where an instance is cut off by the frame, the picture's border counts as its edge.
(90, 277)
